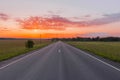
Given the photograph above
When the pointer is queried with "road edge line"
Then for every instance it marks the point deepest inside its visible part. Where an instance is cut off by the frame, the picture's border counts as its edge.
(101, 61)
(15, 61)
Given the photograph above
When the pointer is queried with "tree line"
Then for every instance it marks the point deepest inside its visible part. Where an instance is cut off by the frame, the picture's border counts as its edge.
(88, 39)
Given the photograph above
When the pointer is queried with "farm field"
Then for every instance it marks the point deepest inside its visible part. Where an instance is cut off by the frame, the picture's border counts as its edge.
(12, 48)
(110, 50)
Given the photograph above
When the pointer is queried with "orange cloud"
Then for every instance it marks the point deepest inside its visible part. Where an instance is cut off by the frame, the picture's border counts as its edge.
(4, 29)
(56, 22)
(40, 23)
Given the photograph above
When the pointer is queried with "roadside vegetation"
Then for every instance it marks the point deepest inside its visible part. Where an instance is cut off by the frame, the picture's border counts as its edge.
(110, 50)
(12, 48)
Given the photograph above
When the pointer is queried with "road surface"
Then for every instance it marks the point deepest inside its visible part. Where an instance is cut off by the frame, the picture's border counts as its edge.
(59, 61)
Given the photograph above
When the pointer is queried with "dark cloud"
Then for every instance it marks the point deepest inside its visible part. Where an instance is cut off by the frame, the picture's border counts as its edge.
(4, 16)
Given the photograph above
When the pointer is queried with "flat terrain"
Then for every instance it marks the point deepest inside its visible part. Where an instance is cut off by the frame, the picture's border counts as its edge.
(110, 50)
(59, 61)
(11, 48)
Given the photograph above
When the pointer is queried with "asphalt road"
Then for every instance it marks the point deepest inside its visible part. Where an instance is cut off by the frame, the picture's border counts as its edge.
(59, 61)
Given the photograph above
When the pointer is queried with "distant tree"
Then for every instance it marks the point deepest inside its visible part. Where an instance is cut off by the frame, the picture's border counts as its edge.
(29, 44)
(88, 39)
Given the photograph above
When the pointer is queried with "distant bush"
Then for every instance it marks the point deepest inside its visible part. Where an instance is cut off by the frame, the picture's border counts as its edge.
(29, 44)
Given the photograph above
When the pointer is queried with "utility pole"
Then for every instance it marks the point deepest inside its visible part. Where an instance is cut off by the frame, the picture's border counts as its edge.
(40, 38)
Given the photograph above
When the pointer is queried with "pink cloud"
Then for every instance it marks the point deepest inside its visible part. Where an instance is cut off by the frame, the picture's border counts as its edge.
(54, 22)
(57, 22)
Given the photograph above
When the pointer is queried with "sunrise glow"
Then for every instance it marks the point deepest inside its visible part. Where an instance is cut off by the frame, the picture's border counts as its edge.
(59, 19)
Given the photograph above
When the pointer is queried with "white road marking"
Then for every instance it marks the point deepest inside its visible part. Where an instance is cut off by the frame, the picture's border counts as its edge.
(18, 60)
(15, 61)
(102, 61)
(59, 50)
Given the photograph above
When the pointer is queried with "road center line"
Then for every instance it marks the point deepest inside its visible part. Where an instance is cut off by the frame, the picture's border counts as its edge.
(59, 50)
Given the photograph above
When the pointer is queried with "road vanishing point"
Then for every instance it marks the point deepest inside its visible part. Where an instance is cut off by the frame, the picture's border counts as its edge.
(59, 61)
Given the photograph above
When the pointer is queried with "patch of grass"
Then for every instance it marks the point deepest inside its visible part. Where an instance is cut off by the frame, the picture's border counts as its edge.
(110, 50)
(12, 48)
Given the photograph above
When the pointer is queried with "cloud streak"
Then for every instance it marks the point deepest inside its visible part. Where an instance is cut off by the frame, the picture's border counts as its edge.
(4, 17)
(56, 22)
(4, 29)
(109, 18)
(95, 34)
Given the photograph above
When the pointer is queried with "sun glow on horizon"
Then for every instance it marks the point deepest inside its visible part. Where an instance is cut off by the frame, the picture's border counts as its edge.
(59, 19)
(35, 30)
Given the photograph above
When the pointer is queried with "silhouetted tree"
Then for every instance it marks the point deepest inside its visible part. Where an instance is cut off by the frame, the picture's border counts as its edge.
(29, 44)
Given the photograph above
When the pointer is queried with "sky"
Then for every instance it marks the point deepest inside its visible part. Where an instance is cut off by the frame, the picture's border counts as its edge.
(59, 18)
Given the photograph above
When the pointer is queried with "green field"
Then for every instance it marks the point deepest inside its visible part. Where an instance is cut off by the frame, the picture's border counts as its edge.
(110, 50)
(12, 48)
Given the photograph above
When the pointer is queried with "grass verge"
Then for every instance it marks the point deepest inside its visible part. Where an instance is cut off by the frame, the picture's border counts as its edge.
(110, 50)
(12, 48)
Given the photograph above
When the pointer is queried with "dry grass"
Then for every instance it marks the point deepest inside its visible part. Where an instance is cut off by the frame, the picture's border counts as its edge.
(12, 48)
(110, 50)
